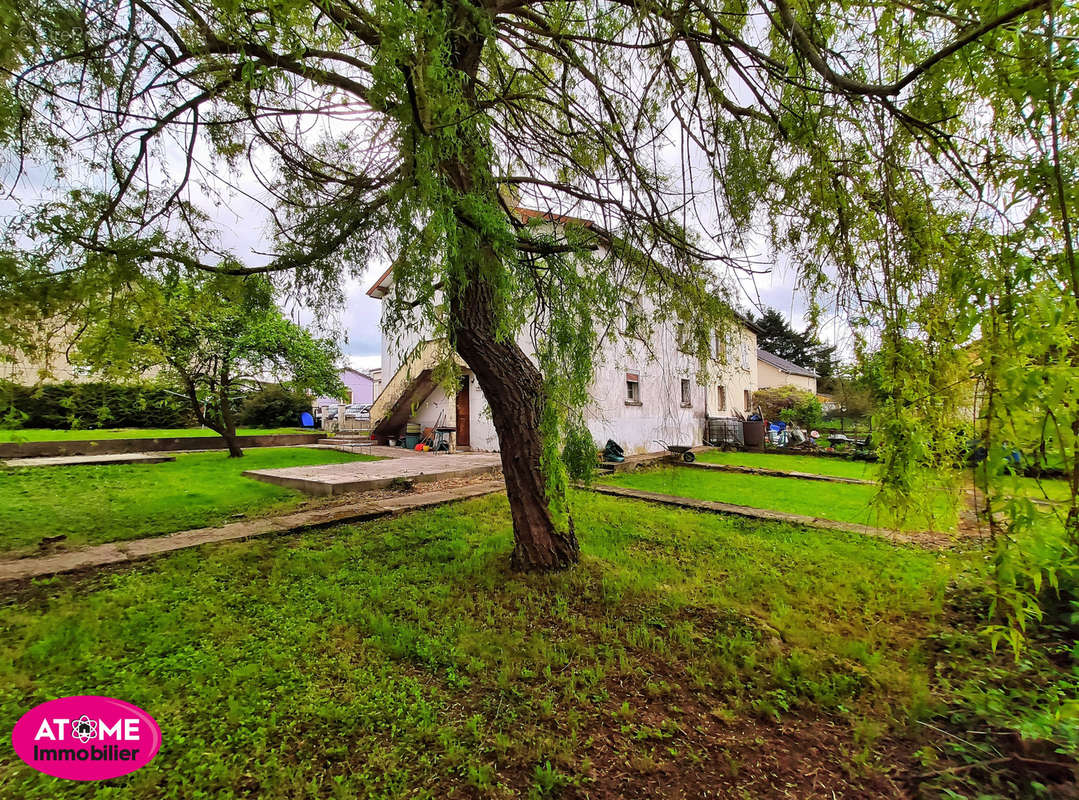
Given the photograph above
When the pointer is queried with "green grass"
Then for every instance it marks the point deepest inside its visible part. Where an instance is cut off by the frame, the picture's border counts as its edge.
(1054, 490)
(115, 502)
(815, 465)
(400, 658)
(51, 435)
(834, 501)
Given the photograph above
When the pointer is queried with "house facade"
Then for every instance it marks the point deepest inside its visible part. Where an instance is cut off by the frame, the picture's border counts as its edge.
(360, 388)
(774, 371)
(643, 390)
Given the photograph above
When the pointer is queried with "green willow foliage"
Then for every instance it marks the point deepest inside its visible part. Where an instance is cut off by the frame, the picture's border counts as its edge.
(914, 162)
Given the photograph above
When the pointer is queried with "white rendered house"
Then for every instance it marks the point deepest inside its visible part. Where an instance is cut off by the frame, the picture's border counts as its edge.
(642, 391)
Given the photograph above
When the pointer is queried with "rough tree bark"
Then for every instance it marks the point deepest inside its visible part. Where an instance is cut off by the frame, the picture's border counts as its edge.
(232, 442)
(509, 379)
(513, 388)
(228, 419)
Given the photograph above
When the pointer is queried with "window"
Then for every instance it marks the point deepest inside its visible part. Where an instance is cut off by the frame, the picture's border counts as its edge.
(745, 355)
(682, 340)
(747, 398)
(686, 403)
(632, 316)
(721, 347)
(722, 398)
(633, 389)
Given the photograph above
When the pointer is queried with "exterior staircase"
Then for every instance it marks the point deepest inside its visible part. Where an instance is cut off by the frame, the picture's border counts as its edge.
(406, 390)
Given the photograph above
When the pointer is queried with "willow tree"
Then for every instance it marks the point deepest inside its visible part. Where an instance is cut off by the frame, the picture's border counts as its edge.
(853, 133)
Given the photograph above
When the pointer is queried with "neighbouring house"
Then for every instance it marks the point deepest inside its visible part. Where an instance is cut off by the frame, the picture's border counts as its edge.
(774, 371)
(642, 391)
(376, 376)
(47, 361)
(360, 388)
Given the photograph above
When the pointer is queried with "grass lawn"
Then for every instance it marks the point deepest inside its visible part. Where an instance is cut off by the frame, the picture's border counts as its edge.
(1055, 490)
(114, 502)
(400, 658)
(836, 501)
(50, 435)
(1050, 489)
(815, 465)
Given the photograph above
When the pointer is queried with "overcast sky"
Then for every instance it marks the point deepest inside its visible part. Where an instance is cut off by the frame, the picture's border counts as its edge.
(243, 230)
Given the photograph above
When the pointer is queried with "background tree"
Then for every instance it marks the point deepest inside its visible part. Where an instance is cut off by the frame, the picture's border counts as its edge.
(859, 135)
(852, 395)
(804, 349)
(217, 339)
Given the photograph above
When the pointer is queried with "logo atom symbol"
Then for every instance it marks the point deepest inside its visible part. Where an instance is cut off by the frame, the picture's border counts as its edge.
(84, 729)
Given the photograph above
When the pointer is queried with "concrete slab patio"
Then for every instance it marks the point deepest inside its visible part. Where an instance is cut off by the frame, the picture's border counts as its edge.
(360, 476)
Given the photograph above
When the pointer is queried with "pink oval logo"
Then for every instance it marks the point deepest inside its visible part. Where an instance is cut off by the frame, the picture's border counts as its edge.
(86, 738)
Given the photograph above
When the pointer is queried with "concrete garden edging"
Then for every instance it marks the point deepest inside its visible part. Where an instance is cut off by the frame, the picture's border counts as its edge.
(91, 447)
(110, 553)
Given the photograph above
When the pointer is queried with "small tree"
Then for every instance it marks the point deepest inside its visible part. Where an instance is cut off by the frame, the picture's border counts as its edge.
(853, 395)
(216, 338)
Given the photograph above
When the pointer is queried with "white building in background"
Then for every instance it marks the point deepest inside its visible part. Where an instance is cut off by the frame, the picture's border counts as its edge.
(774, 371)
(643, 391)
(49, 363)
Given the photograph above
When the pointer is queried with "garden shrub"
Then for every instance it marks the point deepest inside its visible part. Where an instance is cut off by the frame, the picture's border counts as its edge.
(273, 406)
(790, 404)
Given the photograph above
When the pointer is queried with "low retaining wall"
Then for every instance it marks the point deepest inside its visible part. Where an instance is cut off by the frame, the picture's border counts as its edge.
(89, 447)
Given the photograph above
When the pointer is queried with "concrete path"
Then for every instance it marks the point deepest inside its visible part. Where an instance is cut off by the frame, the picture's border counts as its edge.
(77, 461)
(358, 476)
(930, 539)
(120, 552)
(777, 473)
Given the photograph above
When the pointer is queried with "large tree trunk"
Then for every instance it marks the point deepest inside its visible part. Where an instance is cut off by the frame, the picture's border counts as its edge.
(513, 388)
(510, 381)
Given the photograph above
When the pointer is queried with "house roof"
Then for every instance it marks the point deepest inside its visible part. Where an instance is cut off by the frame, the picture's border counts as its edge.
(789, 367)
(382, 285)
(749, 323)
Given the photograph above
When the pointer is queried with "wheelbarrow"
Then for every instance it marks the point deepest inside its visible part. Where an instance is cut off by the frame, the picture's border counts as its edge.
(678, 449)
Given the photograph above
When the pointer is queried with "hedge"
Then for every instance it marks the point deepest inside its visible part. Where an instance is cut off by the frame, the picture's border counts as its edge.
(70, 406)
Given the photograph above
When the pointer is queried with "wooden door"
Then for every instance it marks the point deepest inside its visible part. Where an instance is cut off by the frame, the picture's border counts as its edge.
(462, 414)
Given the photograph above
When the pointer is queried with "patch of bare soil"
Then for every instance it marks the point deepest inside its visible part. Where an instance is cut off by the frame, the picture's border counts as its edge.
(708, 756)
